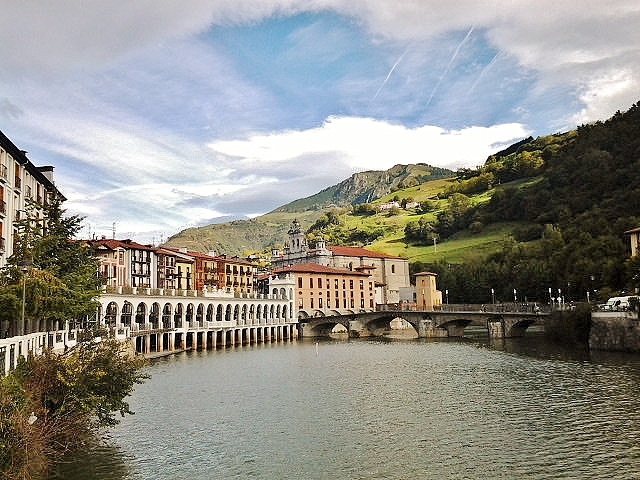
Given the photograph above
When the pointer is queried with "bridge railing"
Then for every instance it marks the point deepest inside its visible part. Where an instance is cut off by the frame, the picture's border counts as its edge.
(506, 307)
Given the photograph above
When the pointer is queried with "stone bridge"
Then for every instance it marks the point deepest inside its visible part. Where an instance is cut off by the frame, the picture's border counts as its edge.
(428, 324)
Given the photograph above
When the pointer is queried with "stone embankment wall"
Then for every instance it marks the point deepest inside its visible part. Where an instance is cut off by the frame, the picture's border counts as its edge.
(615, 331)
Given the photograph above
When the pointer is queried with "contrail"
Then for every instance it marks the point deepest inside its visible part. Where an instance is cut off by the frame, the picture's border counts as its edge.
(446, 70)
(489, 65)
(389, 74)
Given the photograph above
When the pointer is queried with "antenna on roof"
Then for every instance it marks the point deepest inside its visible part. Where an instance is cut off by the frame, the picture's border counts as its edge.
(113, 231)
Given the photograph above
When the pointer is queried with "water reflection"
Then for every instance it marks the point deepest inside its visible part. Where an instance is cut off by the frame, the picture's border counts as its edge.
(471, 408)
(101, 462)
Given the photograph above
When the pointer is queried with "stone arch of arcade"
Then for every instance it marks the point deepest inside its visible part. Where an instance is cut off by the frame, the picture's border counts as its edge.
(142, 312)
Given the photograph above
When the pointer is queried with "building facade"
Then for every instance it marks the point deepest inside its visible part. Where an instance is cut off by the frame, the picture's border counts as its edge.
(23, 186)
(326, 288)
(390, 274)
(428, 297)
(634, 236)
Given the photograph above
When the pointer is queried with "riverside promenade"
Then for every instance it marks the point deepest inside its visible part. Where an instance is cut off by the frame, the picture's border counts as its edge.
(159, 322)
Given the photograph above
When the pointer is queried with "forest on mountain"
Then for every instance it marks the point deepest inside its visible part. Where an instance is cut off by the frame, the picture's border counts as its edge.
(582, 194)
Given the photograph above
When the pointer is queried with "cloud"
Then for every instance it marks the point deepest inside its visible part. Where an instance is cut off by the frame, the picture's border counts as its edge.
(364, 143)
(160, 114)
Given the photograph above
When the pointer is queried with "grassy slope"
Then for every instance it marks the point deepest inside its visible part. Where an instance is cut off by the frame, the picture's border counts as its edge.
(261, 233)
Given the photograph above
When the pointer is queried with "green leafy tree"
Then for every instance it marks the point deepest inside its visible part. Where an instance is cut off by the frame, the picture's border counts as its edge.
(59, 272)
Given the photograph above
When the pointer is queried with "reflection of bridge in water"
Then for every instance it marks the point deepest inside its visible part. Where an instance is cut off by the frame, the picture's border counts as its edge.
(501, 321)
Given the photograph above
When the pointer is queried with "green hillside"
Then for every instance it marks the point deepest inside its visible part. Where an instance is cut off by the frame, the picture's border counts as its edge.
(263, 232)
(545, 213)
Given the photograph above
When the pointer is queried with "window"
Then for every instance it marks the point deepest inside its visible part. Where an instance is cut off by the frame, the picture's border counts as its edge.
(311, 303)
(351, 284)
(319, 303)
(337, 303)
(319, 283)
(344, 284)
(310, 282)
(336, 283)
(299, 282)
(393, 269)
(370, 285)
(361, 284)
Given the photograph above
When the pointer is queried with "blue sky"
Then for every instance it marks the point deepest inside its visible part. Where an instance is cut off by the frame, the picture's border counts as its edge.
(159, 115)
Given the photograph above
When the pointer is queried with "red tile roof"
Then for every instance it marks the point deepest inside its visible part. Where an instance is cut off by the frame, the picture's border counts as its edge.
(113, 244)
(357, 252)
(315, 268)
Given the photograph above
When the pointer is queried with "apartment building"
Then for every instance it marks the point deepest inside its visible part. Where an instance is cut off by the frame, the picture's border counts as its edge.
(20, 182)
(236, 275)
(321, 287)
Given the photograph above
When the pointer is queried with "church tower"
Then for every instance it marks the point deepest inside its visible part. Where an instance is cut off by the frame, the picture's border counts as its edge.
(297, 241)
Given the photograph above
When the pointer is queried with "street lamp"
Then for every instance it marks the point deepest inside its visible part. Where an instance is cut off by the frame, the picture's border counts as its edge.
(515, 296)
(446, 293)
(493, 296)
(24, 266)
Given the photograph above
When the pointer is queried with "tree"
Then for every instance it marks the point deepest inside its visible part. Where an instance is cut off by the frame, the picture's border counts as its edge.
(59, 272)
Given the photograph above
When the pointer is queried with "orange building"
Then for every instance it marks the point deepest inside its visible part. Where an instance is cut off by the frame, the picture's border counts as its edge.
(320, 287)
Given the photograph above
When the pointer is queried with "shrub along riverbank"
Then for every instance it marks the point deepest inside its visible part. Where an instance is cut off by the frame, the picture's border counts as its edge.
(57, 403)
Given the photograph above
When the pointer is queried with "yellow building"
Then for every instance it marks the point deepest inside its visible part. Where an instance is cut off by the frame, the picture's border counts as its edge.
(320, 287)
(428, 297)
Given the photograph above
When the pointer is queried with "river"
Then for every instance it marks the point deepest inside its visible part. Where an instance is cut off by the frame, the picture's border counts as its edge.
(379, 409)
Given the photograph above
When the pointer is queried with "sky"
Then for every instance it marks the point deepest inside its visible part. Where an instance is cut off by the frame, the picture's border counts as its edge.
(161, 115)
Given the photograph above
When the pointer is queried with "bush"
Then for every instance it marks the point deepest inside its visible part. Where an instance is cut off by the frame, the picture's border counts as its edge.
(53, 403)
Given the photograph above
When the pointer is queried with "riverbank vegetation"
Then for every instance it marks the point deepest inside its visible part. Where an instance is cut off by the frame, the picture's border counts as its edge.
(58, 403)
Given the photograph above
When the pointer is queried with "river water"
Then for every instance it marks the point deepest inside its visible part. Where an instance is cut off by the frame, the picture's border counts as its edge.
(377, 409)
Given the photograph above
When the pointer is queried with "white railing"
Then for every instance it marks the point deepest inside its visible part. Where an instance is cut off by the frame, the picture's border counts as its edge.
(14, 347)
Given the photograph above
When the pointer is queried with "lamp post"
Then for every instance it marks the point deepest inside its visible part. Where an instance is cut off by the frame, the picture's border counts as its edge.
(24, 266)
(560, 302)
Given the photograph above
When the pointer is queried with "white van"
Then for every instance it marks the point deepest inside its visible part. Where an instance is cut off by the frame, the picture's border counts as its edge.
(617, 303)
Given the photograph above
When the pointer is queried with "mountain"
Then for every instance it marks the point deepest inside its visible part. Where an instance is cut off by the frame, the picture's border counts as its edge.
(265, 231)
(365, 187)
